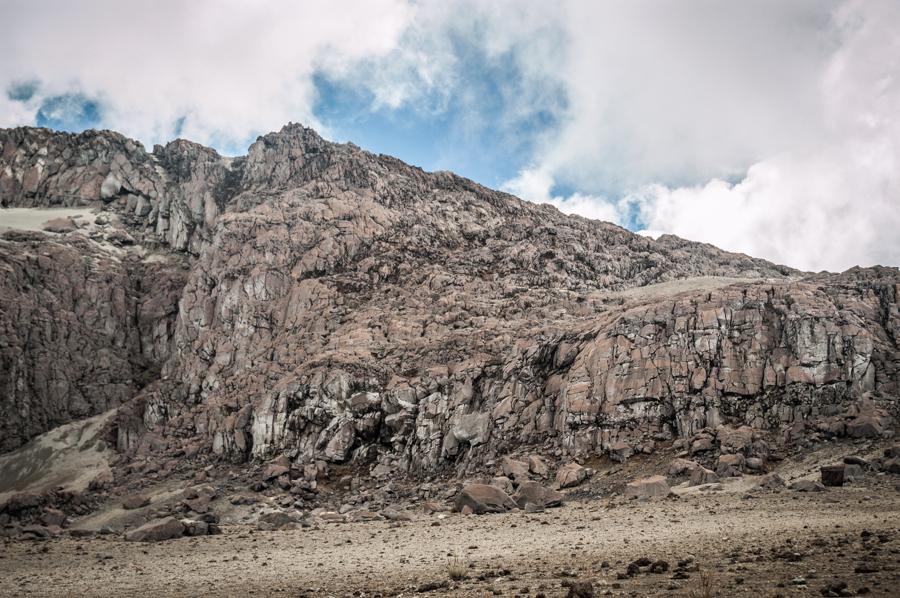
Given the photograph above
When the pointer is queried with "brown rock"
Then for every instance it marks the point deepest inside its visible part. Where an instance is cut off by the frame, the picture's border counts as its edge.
(536, 494)
(701, 475)
(135, 501)
(832, 475)
(650, 487)
(570, 475)
(156, 531)
(481, 498)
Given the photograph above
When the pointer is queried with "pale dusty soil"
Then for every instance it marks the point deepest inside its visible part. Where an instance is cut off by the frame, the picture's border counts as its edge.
(748, 546)
(34, 218)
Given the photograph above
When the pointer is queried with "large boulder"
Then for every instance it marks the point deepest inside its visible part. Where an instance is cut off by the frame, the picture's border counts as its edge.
(701, 475)
(538, 495)
(483, 498)
(680, 467)
(571, 474)
(651, 487)
(157, 531)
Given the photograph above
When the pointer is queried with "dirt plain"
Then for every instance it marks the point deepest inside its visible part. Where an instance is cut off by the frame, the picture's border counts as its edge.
(724, 541)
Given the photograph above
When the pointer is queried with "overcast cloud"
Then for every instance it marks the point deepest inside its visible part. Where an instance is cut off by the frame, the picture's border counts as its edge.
(769, 127)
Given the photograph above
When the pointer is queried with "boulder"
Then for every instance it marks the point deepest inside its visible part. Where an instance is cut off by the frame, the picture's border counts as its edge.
(156, 531)
(770, 481)
(865, 426)
(701, 475)
(730, 465)
(21, 502)
(135, 502)
(891, 465)
(536, 494)
(806, 486)
(538, 466)
(620, 451)
(482, 498)
(53, 517)
(680, 467)
(515, 469)
(504, 483)
(832, 475)
(651, 487)
(276, 520)
(571, 474)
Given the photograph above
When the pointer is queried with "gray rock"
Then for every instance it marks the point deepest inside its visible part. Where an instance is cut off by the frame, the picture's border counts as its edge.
(158, 530)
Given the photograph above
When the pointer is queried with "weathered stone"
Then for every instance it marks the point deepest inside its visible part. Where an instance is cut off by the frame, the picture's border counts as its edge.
(570, 475)
(833, 475)
(538, 466)
(481, 498)
(701, 475)
(515, 469)
(680, 467)
(807, 486)
(135, 501)
(770, 481)
(536, 494)
(650, 487)
(156, 531)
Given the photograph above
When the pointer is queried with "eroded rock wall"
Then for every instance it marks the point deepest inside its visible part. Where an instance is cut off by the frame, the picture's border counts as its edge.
(78, 335)
(344, 306)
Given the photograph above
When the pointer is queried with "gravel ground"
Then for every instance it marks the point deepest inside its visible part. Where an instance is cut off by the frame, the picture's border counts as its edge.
(787, 544)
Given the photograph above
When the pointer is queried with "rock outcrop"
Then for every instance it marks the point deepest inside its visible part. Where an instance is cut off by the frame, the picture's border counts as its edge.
(347, 307)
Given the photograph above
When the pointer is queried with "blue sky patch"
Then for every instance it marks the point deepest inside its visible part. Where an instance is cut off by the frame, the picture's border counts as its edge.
(69, 112)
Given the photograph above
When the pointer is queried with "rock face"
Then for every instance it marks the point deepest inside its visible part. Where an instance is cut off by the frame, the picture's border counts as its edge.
(341, 306)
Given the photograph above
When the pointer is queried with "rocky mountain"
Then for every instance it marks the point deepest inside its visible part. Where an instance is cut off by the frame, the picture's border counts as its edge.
(319, 302)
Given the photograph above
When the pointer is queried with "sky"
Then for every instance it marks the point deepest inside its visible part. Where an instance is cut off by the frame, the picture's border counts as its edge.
(770, 128)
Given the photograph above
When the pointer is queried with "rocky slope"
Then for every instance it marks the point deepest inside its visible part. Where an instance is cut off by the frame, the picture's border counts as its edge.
(316, 301)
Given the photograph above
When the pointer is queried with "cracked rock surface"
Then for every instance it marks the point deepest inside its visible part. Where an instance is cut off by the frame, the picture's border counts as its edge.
(319, 302)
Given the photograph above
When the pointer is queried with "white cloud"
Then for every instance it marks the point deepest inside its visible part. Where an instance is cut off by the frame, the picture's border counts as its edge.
(231, 68)
(829, 205)
(768, 127)
(665, 106)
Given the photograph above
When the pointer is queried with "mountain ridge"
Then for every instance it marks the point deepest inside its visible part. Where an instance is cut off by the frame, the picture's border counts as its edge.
(322, 302)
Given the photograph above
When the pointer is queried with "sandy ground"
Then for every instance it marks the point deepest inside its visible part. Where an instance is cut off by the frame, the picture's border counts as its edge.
(787, 544)
(34, 218)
